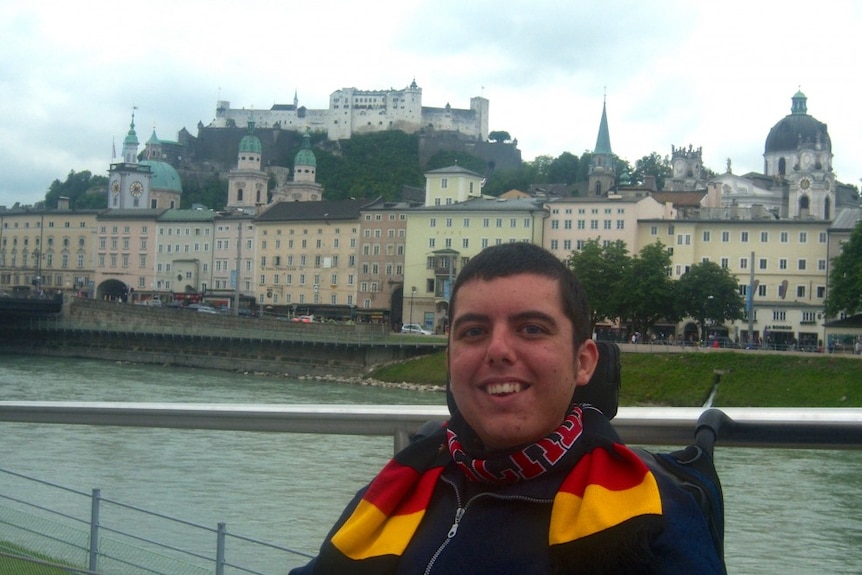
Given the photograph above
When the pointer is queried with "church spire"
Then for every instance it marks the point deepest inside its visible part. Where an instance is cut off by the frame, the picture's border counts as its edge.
(603, 141)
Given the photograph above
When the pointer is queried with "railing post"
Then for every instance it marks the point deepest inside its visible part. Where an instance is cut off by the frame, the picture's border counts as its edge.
(93, 563)
(220, 538)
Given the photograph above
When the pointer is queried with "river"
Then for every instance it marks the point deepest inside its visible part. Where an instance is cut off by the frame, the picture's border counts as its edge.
(787, 511)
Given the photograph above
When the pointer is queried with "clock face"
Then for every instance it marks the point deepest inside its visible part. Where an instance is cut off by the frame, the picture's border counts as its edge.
(807, 158)
(137, 188)
(805, 183)
(115, 187)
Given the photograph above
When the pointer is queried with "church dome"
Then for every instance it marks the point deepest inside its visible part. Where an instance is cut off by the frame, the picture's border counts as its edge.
(798, 128)
(250, 143)
(164, 176)
(305, 157)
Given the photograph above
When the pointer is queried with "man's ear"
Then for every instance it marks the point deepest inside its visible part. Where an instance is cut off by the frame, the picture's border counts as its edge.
(587, 357)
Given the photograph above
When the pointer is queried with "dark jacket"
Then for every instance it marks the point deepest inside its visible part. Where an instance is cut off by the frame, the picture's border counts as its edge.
(471, 528)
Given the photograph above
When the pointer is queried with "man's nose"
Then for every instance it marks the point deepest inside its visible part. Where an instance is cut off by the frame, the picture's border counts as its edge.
(501, 346)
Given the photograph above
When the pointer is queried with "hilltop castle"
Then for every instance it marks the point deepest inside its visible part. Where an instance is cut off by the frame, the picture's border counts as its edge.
(353, 111)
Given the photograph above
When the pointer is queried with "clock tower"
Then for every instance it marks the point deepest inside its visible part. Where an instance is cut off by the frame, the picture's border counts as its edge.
(798, 155)
(128, 180)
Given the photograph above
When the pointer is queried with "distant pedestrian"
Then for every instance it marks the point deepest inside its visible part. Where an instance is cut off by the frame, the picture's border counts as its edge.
(858, 348)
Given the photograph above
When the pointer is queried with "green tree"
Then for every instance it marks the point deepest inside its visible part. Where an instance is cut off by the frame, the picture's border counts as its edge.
(601, 270)
(652, 165)
(646, 292)
(708, 291)
(499, 136)
(845, 277)
(564, 169)
(78, 185)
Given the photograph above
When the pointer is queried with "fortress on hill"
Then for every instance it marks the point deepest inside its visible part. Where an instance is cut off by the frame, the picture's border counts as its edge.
(353, 111)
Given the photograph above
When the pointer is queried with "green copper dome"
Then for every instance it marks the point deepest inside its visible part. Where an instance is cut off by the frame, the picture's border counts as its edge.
(165, 177)
(250, 143)
(305, 157)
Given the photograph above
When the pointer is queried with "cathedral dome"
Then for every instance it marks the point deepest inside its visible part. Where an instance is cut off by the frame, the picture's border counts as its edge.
(165, 177)
(798, 128)
(305, 157)
(250, 143)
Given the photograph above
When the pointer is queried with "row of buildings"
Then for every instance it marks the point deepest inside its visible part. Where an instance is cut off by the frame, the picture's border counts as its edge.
(394, 262)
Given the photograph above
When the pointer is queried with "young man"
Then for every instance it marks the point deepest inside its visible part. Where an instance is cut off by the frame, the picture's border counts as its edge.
(522, 479)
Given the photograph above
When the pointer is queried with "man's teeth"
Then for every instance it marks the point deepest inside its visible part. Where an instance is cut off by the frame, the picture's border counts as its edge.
(504, 388)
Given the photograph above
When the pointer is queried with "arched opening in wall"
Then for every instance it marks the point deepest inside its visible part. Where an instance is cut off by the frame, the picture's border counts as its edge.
(827, 208)
(782, 166)
(804, 204)
(598, 189)
(112, 290)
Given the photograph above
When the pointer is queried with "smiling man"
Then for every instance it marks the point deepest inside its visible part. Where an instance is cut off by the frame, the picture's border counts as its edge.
(522, 479)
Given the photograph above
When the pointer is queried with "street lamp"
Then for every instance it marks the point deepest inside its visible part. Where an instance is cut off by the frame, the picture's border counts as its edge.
(412, 293)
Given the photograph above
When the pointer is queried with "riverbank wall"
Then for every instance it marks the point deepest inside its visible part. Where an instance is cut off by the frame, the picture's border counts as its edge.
(123, 332)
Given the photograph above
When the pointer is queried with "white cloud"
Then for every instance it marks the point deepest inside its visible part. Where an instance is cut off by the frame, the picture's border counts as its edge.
(713, 75)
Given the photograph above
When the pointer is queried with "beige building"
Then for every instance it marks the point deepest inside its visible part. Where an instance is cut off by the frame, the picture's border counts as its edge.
(307, 258)
(126, 244)
(184, 254)
(783, 264)
(47, 249)
(455, 224)
(382, 248)
(573, 221)
(233, 269)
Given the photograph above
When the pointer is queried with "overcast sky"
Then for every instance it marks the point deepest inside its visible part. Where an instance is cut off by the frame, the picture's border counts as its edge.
(716, 75)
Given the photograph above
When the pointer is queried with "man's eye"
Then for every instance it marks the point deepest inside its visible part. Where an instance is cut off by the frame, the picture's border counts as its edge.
(533, 329)
(472, 331)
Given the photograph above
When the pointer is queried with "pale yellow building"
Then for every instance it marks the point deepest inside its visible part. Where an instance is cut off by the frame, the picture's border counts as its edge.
(307, 254)
(184, 253)
(126, 244)
(782, 263)
(573, 221)
(47, 249)
(455, 224)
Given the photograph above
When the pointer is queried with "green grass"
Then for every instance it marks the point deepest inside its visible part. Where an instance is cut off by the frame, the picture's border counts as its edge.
(748, 379)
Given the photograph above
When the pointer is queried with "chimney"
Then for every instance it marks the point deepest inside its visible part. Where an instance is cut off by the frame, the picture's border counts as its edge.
(62, 203)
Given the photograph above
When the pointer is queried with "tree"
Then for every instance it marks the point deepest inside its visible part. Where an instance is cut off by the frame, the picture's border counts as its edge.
(564, 169)
(652, 165)
(845, 277)
(708, 291)
(79, 185)
(646, 292)
(499, 136)
(601, 269)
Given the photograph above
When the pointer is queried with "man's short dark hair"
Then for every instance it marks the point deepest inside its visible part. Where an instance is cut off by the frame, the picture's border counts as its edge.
(510, 259)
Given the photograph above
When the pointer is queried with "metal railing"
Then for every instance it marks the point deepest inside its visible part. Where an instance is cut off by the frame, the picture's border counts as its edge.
(115, 537)
(826, 428)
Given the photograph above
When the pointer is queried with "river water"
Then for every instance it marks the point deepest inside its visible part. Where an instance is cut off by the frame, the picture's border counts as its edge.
(787, 511)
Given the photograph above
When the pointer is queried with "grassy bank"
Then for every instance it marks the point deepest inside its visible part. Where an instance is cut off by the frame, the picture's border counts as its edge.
(748, 379)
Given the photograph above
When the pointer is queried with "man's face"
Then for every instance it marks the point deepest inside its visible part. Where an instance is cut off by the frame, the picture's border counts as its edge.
(512, 365)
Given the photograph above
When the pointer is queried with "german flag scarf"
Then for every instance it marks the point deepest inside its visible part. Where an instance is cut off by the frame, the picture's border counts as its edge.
(605, 512)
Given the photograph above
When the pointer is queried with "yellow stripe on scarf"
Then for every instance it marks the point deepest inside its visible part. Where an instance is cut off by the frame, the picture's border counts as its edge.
(371, 533)
(600, 507)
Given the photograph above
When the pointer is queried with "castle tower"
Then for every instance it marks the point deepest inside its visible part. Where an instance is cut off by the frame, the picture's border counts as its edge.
(129, 181)
(602, 163)
(247, 184)
(688, 174)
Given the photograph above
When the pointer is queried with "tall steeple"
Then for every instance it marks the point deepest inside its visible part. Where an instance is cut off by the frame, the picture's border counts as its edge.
(602, 176)
(603, 141)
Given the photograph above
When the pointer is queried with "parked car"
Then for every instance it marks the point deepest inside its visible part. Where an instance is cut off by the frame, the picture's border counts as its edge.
(303, 319)
(415, 329)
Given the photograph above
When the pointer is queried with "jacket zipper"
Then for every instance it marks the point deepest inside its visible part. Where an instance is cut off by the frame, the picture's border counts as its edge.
(460, 510)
